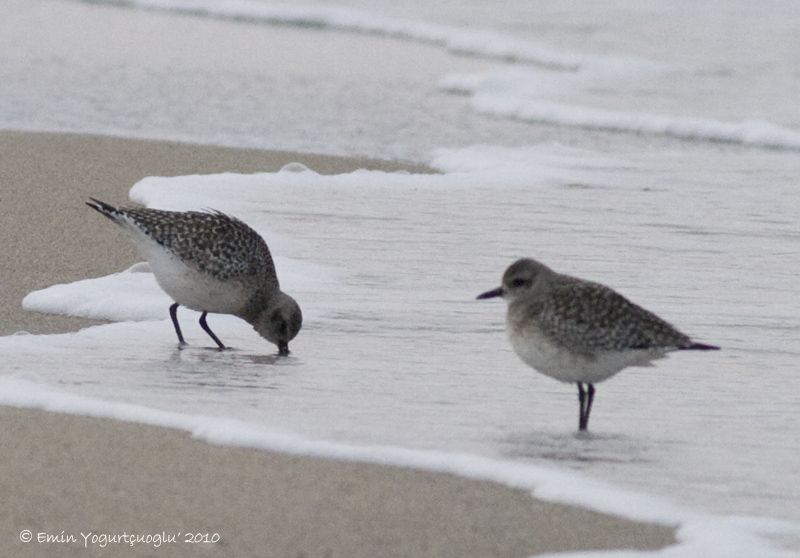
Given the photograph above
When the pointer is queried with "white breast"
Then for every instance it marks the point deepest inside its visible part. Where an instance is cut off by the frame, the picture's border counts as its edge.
(189, 287)
(564, 365)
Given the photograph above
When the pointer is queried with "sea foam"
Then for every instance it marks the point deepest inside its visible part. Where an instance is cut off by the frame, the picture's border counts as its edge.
(484, 43)
(755, 133)
(529, 96)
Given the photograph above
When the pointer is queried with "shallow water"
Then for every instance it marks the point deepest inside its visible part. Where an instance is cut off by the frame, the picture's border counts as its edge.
(396, 350)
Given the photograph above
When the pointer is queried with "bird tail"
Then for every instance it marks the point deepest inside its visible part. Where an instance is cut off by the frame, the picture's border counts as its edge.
(105, 209)
(692, 346)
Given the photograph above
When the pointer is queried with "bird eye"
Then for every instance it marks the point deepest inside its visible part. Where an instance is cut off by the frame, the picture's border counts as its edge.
(520, 282)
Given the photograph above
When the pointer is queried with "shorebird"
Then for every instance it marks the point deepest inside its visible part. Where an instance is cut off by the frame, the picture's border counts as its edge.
(212, 263)
(578, 331)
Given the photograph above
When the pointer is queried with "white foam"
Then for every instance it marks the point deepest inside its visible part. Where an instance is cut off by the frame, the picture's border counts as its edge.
(526, 164)
(294, 167)
(752, 132)
(130, 295)
(698, 534)
(486, 43)
(534, 96)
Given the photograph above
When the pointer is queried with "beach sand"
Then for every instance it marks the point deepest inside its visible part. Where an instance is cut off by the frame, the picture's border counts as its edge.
(62, 475)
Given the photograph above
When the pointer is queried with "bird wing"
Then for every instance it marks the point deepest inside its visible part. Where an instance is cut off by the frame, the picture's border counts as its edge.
(591, 318)
(210, 241)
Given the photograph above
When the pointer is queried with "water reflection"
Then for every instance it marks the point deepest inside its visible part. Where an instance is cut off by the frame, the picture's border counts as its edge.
(576, 449)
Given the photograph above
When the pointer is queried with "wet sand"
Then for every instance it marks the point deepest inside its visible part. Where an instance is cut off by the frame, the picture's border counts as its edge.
(64, 475)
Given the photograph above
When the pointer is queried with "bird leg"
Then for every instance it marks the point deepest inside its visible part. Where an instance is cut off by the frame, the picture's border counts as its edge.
(207, 329)
(585, 398)
(173, 313)
(589, 401)
(582, 407)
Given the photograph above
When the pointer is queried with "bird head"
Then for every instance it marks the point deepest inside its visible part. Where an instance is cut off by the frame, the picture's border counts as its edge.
(519, 279)
(280, 322)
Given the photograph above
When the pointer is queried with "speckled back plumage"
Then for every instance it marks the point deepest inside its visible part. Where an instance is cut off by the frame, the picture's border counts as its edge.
(588, 317)
(578, 331)
(210, 241)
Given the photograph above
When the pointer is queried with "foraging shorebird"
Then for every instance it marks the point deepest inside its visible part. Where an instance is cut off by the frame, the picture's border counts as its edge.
(581, 332)
(212, 263)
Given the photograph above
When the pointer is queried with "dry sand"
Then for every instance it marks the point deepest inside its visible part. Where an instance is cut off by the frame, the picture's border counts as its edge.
(63, 475)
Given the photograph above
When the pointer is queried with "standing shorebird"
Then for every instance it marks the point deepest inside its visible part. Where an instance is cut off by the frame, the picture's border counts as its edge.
(210, 262)
(579, 331)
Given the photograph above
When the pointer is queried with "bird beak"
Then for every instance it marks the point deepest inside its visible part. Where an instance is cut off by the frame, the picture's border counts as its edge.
(283, 349)
(491, 294)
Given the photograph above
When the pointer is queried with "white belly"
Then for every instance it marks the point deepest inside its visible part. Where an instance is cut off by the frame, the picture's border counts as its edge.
(189, 287)
(555, 361)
